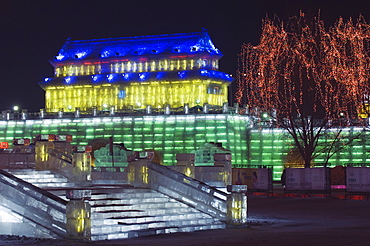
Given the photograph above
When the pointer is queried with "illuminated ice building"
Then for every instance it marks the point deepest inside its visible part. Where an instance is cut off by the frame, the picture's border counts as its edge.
(161, 92)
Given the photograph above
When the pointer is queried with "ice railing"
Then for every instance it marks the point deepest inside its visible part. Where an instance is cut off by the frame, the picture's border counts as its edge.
(188, 190)
(61, 163)
(70, 166)
(40, 207)
(131, 111)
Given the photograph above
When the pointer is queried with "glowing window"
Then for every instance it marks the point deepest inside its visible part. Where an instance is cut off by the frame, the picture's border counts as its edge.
(122, 94)
(214, 89)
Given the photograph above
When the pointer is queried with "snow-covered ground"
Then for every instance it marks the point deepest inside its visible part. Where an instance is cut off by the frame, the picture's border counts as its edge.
(272, 221)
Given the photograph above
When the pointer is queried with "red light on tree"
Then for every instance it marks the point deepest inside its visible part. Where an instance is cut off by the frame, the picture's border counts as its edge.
(307, 78)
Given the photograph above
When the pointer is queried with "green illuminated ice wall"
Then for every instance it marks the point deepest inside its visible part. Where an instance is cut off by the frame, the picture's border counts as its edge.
(271, 146)
(172, 134)
(167, 134)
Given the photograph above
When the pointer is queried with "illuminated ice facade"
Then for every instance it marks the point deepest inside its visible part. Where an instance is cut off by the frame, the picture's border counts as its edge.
(136, 72)
(270, 146)
(167, 134)
(130, 75)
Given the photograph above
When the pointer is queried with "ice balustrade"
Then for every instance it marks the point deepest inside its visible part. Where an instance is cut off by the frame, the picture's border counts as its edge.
(44, 210)
(104, 158)
(76, 167)
(204, 156)
(148, 174)
(130, 111)
(216, 174)
(17, 158)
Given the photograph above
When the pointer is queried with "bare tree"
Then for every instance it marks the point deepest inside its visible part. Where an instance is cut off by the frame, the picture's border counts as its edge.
(311, 81)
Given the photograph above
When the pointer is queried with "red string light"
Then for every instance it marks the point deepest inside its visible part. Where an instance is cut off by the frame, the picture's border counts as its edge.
(301, 68)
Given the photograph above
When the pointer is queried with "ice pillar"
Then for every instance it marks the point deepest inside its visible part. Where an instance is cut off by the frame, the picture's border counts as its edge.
(185, 164)
(81, 167)
(78, 220)
(236, 205)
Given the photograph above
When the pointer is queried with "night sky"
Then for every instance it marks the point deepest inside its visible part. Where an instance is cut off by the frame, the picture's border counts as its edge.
(33, 31)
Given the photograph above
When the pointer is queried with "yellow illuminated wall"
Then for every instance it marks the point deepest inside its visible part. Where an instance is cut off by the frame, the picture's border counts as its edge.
(136, 95)
(132, 66)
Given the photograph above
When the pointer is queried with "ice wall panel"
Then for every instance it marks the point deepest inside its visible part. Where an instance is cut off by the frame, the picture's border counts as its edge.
(168, 134)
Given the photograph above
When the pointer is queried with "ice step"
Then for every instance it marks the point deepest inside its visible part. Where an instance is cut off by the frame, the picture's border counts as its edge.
(112, 214)
(130, 200)
(155, 231)
(34, 175)
(54, 185)
(125, 227)
(122, 206)
(44, 180)
(146, 218)
(46, 175)
(27, 171)
(126, 195)
(131, 212)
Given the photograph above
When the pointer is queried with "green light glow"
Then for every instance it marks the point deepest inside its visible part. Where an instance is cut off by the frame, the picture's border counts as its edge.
(183, 134)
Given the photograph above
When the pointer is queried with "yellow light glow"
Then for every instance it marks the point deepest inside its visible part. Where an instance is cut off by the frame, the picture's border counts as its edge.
(80, 215)
(145, 174)
(131, 66)
(188, 172)
(157, 94)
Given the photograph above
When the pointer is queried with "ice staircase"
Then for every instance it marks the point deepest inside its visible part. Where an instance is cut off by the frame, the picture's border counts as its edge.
(124, 211)
(42, 178)
(134, 212)
(27, 210)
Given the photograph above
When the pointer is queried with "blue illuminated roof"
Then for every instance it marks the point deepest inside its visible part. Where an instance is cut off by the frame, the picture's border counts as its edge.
(166, 44)
(137, 77)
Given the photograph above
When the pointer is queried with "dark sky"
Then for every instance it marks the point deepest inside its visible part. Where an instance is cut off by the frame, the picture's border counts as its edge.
(33, 31)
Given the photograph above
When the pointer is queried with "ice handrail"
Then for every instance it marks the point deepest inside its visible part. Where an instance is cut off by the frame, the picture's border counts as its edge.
(188, 190)
(27, 197)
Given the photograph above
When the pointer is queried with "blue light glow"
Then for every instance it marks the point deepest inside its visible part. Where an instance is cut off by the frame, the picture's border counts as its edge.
(111, 77)
(194, 48)
(69, 80)
(80, 55)
(215, 74)
(182, 74)
(122, 94)
(143, 77)
(126, 76)
(104, 54)
(160, 75)
(59, 57)
(97, 78)
(143, 45)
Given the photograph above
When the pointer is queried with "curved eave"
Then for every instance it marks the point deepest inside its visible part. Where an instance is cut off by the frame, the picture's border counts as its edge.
(134, 58)
(124, 78)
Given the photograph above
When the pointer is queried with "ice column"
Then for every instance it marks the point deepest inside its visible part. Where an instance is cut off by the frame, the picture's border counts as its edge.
(81, 167)
(138, 170)
(78, 220)
(236, 205)
(185, 164)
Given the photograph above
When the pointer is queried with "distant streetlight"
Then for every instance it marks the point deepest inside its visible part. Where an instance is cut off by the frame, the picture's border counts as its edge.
(15, 108)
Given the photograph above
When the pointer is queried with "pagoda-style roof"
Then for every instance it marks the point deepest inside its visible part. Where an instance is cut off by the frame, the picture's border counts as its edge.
(165, 45)
(116, 78)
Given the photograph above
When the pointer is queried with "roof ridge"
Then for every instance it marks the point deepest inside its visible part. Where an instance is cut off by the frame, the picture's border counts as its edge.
(137, 37)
